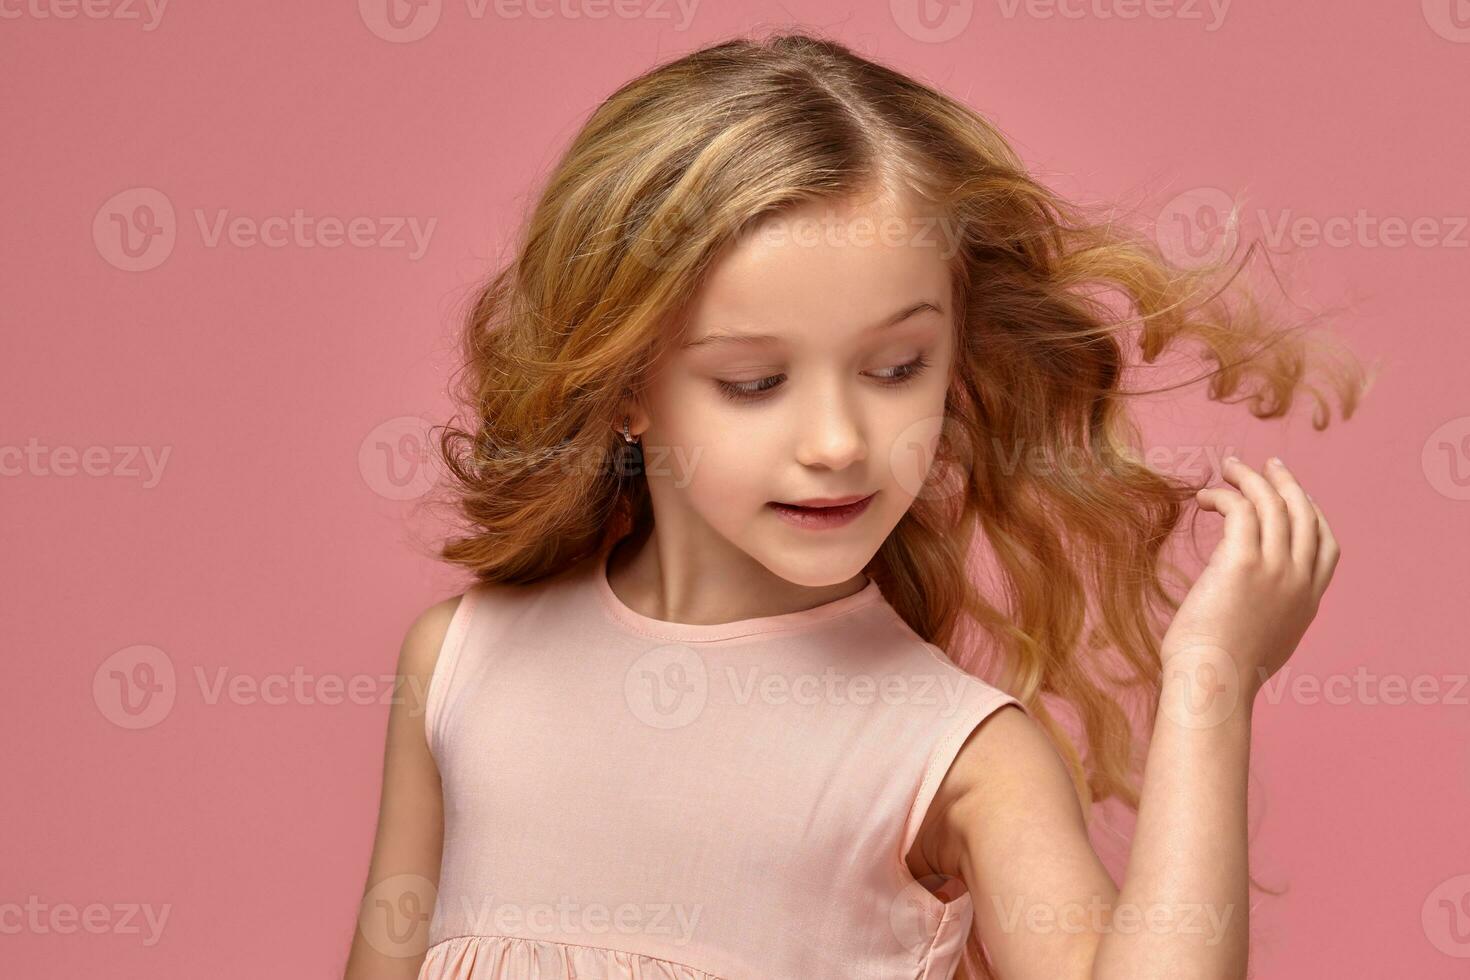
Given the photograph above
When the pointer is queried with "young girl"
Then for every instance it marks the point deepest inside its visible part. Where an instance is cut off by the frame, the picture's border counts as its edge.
(789, 339)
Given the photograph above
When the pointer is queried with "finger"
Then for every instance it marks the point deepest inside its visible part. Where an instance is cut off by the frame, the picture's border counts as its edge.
(1327, 552)
(1275, 524)
(1303, 515)
(1242, 531)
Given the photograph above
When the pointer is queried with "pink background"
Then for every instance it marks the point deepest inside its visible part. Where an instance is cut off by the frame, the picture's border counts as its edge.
(281, 535)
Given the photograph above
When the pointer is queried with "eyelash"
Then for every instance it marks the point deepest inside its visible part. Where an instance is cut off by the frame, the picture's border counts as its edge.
(740, 393)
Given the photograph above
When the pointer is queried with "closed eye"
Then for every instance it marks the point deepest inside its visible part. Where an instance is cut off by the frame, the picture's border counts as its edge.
(895, 376)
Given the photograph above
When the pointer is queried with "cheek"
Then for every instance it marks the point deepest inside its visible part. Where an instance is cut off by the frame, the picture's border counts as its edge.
(907, 450)
(910, 436)
(713, 452)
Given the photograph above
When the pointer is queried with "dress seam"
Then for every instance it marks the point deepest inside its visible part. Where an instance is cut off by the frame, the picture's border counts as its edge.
(446, 665)
(557, 942)
(620, 620)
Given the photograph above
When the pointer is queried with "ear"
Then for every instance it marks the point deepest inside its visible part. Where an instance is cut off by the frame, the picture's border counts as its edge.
(638, 419)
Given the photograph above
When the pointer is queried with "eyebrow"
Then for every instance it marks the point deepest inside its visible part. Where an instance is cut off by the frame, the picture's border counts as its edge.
(761, 338)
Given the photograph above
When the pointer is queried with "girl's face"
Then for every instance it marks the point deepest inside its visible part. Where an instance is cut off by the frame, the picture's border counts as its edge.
(813, 367)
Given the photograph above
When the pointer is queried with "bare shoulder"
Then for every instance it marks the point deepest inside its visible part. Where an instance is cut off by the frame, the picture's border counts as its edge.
(419, 653)
(410, 833)
(1007, 779)
(425, 637)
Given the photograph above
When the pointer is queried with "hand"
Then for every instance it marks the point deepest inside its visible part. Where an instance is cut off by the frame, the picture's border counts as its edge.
(1264, 581)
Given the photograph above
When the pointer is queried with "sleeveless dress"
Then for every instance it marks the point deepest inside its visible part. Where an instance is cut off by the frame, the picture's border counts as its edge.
(632, 799)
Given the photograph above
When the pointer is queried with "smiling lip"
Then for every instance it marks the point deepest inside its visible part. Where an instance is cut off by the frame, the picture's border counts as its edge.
(826, 501)
(826, 515)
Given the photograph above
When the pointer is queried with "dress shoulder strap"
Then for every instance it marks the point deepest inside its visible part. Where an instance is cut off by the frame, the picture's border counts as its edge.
(441, 678)
(979, 701)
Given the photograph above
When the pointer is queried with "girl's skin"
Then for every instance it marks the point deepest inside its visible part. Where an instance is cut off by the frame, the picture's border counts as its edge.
(842, 411)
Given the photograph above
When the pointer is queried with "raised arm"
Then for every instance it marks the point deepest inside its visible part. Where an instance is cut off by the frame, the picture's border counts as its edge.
(1009, 821)
(391, 931)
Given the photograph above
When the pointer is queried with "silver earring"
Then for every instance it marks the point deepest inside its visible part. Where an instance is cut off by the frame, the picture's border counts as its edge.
(630, 461)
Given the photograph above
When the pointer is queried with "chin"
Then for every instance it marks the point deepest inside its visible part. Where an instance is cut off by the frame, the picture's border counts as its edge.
(815, 567)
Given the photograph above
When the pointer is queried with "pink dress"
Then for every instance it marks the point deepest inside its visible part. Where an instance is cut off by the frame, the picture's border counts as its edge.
(632, 799)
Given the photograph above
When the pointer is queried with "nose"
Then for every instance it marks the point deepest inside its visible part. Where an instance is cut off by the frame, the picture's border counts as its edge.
(830, 431)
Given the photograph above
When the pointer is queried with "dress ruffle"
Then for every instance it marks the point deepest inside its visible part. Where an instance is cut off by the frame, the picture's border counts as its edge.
(514, 958)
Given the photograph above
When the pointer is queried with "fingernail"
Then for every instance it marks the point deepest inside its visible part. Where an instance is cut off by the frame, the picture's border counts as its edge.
(1276, 460)
(1232, 459)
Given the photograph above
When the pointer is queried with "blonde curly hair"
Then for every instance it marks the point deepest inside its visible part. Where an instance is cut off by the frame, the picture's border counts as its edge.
(675, 164)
